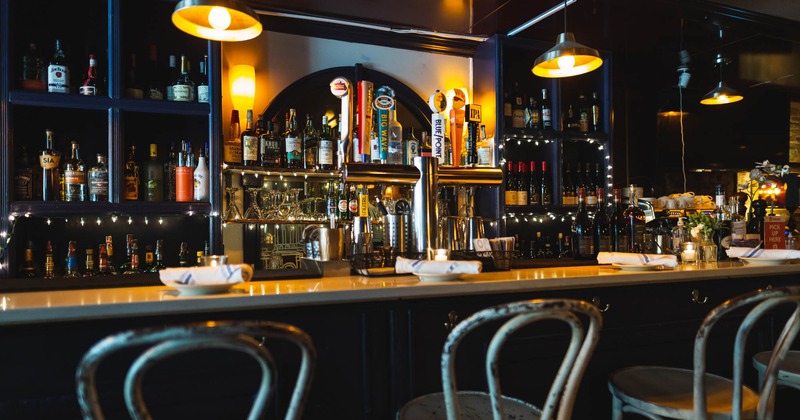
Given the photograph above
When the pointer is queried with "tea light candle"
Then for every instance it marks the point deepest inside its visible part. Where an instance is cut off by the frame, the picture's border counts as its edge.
(440, 254)
(689, 253)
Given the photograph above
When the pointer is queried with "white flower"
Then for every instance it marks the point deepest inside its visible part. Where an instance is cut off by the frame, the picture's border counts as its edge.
(696, 230)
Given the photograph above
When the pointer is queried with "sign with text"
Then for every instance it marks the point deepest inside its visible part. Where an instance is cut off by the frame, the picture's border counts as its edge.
(774, 237)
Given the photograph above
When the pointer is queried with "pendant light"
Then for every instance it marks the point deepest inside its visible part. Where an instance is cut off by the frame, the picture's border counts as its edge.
(722, 94)
(218, 20)
(567, 58)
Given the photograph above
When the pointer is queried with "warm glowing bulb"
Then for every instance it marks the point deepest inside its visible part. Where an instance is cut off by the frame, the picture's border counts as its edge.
(219, 18)
(723, 99)
(566, 62)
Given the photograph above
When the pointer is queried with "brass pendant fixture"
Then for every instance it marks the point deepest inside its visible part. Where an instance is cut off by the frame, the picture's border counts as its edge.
(567, 58)
(218, 20)
(722, 94)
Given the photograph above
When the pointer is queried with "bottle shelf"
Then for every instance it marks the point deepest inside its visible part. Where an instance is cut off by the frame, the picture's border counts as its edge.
(530, 134)
(286, 222)
(71, 101)
(281, 173)
(91, 209)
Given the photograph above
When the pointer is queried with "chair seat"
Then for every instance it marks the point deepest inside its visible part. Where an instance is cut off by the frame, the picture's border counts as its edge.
(668, 392)
(789, 373)
(475, 405)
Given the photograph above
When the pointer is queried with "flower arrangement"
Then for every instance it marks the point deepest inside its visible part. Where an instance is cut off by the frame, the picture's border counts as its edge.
(758, 177)
(703, 226)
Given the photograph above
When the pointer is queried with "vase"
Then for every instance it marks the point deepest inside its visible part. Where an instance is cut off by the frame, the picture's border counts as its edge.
(708, 250)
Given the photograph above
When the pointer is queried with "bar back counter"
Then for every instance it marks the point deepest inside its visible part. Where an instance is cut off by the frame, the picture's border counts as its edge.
(378, 340)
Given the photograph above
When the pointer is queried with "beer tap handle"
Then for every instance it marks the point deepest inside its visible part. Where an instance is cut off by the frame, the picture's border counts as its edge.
(342, 89)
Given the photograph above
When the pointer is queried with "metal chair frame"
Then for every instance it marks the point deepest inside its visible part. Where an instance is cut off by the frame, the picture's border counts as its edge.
(763, 301)
(787, 376)
(168, 341)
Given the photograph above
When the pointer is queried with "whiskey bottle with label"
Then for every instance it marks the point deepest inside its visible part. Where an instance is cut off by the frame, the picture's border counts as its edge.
(130, 189)
(98, 180)
(154, 176)
(58, 72)
(49, 161)
(249, 140)
(183, 88)
(75, 176)
(232, 149)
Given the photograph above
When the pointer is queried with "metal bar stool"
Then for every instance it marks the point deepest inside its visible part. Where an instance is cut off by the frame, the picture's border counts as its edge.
(160, 343)
(476, 404)
(789, 373)
(656, 392)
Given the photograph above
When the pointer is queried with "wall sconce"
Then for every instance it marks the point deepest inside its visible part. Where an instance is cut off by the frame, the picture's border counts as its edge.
(218, 20)
(243, 86)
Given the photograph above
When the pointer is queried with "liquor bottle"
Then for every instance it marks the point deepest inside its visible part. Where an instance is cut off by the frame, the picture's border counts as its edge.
(342, 205)
(28, 266)
(582, 238)
(583, 113)
(172, 75)
(58, 72)
(183, 87)
(547, 190)
(412, 148)
(102, 261)
(395, 139)
(634, 220)
(169, 172)
(568, 196)
(332, 200)
(149, 259)
(49, 261)
(564, 248)
(310, 144)
(200, 175)
(719, 202)
(601, 227)
(485, 155)
(678, 236)
(184, 177)
(128, 252)
(511, 186)
(23, 176)
(159, 257)
(98, 180)
(591, 186)
(534, 189)
(88, 86)
(293, 142)
(72, 261)
(570, 119)
(595, 118)
(133, 265)
(271, 146)
(249, 141)
(33, 71)
(232, 149)
(352, 203)
(532, 114)
(202, 86)
(327, 147)
(545, 115)
(183, 255)
(508, 110)
(89, 269)
(738, 224)
(599, 180)
(518, 108)
(50, 160)
(134, 88)
(75, 176)
(155, 83)
(131, 188)
(522, 184)
(112, 268)
(153, 176)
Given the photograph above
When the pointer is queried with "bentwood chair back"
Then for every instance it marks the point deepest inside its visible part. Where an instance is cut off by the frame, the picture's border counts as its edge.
(160, 343)
(476, 404)
(656, 392)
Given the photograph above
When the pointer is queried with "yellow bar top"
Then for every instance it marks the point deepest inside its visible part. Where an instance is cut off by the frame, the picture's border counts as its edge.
(66, 305)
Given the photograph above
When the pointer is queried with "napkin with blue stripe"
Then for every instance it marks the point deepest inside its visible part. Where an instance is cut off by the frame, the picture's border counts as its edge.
(207, 275)
(773, 254)
(630, 258)
(406, 265)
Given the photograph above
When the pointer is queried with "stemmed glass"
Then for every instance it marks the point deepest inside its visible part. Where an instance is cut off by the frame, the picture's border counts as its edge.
(232, 210)
(253, 212)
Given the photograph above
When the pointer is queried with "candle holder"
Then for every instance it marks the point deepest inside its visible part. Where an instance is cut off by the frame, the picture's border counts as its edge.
(689, 252)
(439, 254)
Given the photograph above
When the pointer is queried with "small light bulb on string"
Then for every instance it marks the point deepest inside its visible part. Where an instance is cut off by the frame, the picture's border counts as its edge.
(146, 221)
(83, 222)
(98, 221)
(130, 220)
(114, 218)
(160, 220)
(48, 221)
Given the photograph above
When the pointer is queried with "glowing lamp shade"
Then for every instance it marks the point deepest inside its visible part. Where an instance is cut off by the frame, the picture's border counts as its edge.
(218, 20)
(567, 58)
(721, 95)
(243, 86)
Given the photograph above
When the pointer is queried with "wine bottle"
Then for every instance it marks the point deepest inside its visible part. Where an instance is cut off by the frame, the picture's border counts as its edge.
(595, 117)
(125, 266)
(133, 83)
(232, 149)
(518, 108)
(568, 197)
(591, 186)
(583, 113)
(271, 146)
(72, 261)
(28, 266)
(58, 72)
(169, 172)
(508, 110)
(133, 262)
(547, 190)
(49, 261)
(89, 269)
(23, 176)
(89, 85)
(522, 184)
(102, 261)
(172, 75)
(50, 160)
(183, 87)
(75, 176)
(112, 268)
(131, 188)
(159, 257)
(738, 224)
(532, 114)
(183, 255)
(33, 71)
(582, 238)
(545, 114)
(98, 180)
(202, 86)
(293, 142)
(200, 174)
(534, 189)
(634, 220)
(249, 141)
(511, 186)
(327, 147)
(155, 83)
(310, 144)
(601, 226)
(154, 176)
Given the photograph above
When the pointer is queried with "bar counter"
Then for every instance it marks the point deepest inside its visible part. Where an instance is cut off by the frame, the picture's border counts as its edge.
(87, 304)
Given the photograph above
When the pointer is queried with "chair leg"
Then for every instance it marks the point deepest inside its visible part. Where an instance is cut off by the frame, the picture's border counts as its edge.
(616, 408)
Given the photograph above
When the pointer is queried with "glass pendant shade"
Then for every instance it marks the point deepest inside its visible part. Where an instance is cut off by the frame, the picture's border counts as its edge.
(567, 58)
(218, 20)
(721, 95)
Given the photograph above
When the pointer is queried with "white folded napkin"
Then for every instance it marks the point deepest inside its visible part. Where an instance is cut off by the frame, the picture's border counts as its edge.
(207, 275)
(775, 254)
(406, 265)
(630, 258)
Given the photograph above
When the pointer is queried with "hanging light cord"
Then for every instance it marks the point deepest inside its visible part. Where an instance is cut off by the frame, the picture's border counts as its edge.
(680, 120)
(565, 15)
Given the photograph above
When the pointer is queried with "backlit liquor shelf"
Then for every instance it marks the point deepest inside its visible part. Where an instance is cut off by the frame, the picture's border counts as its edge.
(281, 173)
(93, 208)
